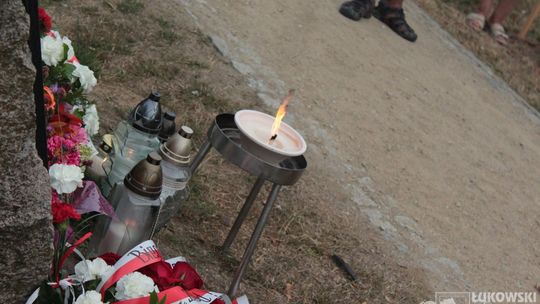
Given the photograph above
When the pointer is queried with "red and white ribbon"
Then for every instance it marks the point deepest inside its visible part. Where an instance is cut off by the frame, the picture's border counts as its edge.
(140, 256)
(204, 297)
(175, 260)
(177, 295)
(241, 300)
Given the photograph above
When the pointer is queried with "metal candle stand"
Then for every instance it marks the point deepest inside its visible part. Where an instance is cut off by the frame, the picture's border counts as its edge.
(224, 137)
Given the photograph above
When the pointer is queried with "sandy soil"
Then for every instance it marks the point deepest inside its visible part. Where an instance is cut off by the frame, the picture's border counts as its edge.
(437, 153)
(292, 263)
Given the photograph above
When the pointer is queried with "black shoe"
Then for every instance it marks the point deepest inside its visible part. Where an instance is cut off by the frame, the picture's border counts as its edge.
(395, 19)
(356, 9)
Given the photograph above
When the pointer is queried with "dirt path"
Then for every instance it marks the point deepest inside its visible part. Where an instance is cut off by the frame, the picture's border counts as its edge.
(441, 156)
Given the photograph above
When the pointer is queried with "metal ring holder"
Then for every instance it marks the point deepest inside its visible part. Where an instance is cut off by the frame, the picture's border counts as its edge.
(224, 137)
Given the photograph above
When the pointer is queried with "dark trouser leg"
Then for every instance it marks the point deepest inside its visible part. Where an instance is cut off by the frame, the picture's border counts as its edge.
(394, 3)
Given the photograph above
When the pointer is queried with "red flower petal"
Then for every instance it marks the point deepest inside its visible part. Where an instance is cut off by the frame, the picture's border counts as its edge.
(44, 20)
(162, 274)
(110, 258)
(188, 275)
(63, 211)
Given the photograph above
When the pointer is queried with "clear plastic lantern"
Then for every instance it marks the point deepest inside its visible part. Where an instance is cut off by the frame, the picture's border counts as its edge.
(135, 138)
(136, 203)
(176, 154)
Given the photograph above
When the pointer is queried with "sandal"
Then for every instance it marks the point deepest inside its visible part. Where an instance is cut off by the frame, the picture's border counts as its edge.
(356, 9)
(394, 18)
(476, 21)
(498, 33)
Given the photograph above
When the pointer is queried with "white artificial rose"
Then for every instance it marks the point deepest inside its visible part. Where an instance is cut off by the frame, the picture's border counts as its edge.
(91, 120)
(89, 297)
(85, 75)
(65, 178)
(71, 52)
(91, 270)
(52, 49)
(134, 285)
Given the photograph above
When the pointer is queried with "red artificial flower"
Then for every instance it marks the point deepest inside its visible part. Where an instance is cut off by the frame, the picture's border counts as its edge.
(65, 117)
(162, 274)
(110, 258)
(189, 278)
(64, 123)
(63, 211)
(165, 276)
(45, 21)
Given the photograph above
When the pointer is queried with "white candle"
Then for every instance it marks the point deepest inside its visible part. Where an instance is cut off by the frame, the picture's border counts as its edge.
(257, 127)
(114, 236)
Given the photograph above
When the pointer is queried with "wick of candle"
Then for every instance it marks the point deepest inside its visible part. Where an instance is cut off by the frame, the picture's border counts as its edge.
(272, 139)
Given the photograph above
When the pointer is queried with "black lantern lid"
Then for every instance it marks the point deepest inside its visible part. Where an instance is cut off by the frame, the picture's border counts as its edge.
(146, 116)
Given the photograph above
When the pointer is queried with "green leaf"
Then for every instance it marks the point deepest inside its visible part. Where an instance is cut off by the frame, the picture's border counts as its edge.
(91, 285)
(109, 295)
(66, 49)
(48, 295)
(155, 300)
(68, 70)
(163, 301)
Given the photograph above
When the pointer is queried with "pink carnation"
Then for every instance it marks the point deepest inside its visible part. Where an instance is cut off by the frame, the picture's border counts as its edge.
(63, 151)
(73, 158)
(79, 136)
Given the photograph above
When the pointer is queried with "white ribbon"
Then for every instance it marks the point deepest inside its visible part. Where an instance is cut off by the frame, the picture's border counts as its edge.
(65, 284)
(207, 298)
(33, 297)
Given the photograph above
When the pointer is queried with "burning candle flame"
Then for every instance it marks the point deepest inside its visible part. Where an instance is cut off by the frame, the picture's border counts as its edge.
(282, 110)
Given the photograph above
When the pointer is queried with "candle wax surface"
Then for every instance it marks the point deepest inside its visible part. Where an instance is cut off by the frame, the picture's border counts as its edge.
(260, 128)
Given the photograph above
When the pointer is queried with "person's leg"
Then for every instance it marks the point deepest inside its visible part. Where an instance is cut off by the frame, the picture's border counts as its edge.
(485, 7)
(495, 21)
(391, 13)
(477, 20)
(394, 3)
(502, 11)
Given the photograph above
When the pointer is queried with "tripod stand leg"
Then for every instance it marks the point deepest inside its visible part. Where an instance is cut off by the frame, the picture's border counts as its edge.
(243, 213)
(200, 156)
(254, 239)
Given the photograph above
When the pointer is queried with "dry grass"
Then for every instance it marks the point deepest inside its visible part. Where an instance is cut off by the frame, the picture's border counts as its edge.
(138, 47)
(518, 63)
